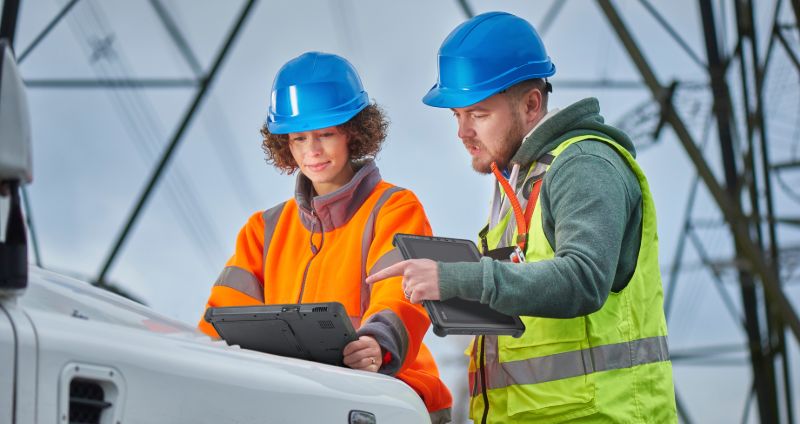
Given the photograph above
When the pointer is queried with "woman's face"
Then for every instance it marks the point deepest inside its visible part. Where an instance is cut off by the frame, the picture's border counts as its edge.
(323, 157)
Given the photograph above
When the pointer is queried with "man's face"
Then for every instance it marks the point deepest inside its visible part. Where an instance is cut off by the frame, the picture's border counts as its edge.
(491, 130)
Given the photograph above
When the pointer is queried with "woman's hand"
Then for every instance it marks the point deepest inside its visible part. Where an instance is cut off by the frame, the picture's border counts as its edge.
(363, 354)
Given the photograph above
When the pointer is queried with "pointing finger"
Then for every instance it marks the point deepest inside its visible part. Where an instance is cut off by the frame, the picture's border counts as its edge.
(395, 270)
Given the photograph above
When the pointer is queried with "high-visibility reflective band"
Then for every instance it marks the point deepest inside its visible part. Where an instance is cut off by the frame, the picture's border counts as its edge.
(574, 363)
(241, 280)
(441, 416)
(270, 222)
(386, 260)
(366, 241)
(390, 332)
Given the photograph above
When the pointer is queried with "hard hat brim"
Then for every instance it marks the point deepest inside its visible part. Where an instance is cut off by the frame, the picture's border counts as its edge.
(448, 98)
(300, 125)
(445, 97)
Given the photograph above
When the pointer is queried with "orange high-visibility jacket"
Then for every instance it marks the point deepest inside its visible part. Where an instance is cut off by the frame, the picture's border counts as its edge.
(321, 249)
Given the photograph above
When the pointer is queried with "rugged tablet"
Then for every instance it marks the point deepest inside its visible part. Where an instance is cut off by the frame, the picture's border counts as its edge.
(456, 315)
(313, 331)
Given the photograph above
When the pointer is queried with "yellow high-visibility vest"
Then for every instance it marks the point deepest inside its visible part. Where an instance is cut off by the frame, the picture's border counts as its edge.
(609, 366)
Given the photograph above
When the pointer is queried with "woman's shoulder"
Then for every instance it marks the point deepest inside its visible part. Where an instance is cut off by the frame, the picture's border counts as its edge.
(397, 195)
(272, 213)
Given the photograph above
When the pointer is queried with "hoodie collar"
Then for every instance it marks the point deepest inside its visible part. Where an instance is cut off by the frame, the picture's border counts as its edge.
(547, 135)
(335, 208)
(546, 116)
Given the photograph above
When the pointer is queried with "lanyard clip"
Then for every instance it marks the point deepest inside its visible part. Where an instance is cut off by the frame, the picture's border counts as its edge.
(517, 256)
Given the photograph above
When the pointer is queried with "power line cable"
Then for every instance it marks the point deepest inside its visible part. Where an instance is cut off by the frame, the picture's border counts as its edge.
(220, 130)
(131, 105)
(177, 136)
(180, 190)
(177, 184)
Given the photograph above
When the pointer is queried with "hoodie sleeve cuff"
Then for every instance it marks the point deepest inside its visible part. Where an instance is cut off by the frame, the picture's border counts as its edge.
(391, 334)
(460, 279)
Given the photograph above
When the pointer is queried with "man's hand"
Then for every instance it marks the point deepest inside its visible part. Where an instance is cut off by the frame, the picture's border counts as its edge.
(420, 278)
(363, 354)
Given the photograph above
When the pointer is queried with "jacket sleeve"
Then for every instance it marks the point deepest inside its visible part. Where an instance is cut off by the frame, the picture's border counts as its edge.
(398, 325)
(590, 206)
(240, 283)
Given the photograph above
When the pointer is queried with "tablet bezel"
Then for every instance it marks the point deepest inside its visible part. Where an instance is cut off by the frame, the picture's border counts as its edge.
(437, 310)
(316, 331)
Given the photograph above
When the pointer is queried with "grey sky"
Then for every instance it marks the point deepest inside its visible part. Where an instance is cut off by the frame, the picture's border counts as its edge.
(94, 149)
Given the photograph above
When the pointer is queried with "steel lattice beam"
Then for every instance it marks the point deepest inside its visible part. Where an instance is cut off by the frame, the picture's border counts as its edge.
(176, 138)
(115, 83)
(746, 247)
(733, 216)
(763, 367)
(49, 27)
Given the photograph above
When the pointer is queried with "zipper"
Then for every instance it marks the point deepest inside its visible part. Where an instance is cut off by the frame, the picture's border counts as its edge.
(484, 394)
(314, 250)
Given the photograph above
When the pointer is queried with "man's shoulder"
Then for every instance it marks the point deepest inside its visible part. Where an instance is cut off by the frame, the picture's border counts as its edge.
(592, 147)
(592, 161)
(594, 154)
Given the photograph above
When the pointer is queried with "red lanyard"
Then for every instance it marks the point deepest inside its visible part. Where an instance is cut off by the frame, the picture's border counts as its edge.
(522, 219)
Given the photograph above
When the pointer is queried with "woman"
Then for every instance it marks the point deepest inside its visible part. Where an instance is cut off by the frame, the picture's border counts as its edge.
(320, 245)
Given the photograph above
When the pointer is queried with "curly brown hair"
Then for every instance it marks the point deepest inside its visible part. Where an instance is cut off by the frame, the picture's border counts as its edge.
(365, 134)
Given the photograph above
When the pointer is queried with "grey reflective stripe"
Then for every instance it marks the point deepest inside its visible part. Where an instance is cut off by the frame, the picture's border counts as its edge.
(366, 241)
(388, 259)
(241, 280)
(389, 331)
(574, 363)
(271, 217)
(441, 416)
(474, 384)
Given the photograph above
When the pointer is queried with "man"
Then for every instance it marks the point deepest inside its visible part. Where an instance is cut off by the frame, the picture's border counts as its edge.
(571, 243)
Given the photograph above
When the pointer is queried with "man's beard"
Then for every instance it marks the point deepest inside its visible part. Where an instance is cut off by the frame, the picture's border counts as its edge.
(509, 145)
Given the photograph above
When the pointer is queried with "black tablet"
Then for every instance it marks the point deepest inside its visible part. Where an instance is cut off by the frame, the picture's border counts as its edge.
(313, 331)
(457, 315)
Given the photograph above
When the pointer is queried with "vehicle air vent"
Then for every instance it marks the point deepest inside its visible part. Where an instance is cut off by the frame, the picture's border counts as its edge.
(361, 417)
(90, 394)
(86, 402)
(326, 325)
(319, 309)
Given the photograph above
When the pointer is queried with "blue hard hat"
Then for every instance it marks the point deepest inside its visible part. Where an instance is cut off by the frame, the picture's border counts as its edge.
(312, 91)
(486, 55)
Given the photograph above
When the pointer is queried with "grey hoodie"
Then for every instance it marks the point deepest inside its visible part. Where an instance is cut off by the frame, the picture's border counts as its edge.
(591, 215)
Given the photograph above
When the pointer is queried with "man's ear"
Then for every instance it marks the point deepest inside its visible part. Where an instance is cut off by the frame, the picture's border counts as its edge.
(532, 106)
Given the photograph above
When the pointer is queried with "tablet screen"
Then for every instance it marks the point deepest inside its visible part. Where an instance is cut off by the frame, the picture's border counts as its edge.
(455, 312)
(432, 249)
